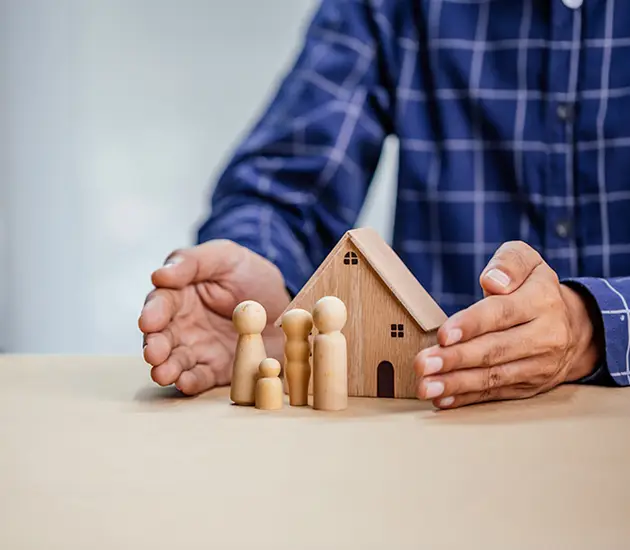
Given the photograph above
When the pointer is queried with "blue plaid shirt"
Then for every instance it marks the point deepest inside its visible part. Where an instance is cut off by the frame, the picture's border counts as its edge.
(513, 119)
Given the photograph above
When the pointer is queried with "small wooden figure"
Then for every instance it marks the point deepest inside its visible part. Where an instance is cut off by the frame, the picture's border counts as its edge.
(249, 319)
(269, 394)
(391, 317)
(297, 325)
(330, 357)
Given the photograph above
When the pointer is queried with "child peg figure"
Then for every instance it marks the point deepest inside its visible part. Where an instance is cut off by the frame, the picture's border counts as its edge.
(269, 391)
(249, 319)
(297, 325)
(330, 355)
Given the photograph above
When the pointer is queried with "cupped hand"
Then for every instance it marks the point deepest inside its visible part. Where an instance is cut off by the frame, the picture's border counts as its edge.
(189, 339)
(528, 334)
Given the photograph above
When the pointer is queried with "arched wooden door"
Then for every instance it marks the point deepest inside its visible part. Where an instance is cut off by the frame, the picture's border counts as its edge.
(385, 380)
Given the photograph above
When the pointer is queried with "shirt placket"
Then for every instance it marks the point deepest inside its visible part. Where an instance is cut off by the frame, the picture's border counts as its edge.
(564, 55)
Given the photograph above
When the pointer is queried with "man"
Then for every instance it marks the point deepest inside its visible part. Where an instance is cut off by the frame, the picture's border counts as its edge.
(513, 119)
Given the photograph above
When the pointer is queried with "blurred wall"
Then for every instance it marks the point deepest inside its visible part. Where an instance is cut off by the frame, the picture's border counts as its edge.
(116, 117)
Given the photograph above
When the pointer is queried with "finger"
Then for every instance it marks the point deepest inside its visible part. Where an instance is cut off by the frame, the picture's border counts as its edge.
(207, 261)
(159, 310)
(539, 295)
(483, 380)
(492, 314)
(197, 380)
(180, 360)
(494, 348)
(503, 393)
(158, 347)
(509, 268)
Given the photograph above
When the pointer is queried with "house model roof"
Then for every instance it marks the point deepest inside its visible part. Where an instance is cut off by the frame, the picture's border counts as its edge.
(393, 273)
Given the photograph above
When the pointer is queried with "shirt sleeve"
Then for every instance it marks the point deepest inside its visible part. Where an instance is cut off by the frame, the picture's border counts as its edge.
(610, 298)
(299, 179)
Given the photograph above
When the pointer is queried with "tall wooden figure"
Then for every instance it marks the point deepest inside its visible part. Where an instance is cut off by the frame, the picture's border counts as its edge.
(249, 319)
(330, 355)
(297, 325)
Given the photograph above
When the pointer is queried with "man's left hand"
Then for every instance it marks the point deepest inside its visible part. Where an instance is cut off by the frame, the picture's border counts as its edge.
(528, 334)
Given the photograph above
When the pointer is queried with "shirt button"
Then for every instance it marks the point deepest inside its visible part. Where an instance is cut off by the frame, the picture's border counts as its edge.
(565, 112)
(563, 228)
(573, 4)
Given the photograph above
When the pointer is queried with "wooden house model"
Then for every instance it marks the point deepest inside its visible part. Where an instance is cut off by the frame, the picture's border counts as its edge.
(391, 317)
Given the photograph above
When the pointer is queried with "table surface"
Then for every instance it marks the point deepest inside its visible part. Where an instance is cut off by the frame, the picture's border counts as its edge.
(94, 455)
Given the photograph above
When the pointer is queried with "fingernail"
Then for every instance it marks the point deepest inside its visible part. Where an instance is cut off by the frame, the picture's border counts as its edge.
(150, 305)
(453, 336)
(172, 261)
(446, 401)
(433, 389)
(432, 365)
(498, 277)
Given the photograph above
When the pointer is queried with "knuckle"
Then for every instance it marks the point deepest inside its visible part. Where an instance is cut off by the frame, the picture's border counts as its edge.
(515, 259)
(551, 275)
(495, 378)
(558, 337)
(491, 381)
(503, 309)
(518, 256)
(493, 355)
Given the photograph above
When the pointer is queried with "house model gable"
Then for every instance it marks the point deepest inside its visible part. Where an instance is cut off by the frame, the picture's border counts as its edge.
(391, 317)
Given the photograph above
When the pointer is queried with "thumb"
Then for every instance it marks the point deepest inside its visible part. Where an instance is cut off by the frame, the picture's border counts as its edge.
(208, 261)
(509, 268)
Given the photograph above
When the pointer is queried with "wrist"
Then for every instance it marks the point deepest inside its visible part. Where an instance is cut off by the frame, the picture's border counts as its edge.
(586, 333)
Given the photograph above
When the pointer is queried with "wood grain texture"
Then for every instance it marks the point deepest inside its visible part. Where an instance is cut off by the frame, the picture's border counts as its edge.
(95, 456)
(371, 311)
(378, 312)
(398, 278)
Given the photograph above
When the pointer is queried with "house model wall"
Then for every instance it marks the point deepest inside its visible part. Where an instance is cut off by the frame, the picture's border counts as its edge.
(390, 315)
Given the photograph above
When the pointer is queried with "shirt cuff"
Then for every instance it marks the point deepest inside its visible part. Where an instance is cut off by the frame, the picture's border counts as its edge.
(608, 314)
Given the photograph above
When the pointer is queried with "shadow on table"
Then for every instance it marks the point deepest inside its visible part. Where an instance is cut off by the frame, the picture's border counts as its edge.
(357, 407)
(565, 402)
(157, 395)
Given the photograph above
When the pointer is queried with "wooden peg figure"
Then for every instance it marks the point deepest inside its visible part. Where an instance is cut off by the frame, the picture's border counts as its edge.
(269, 391)
(249, 319)
(297, 325)
(330, 355)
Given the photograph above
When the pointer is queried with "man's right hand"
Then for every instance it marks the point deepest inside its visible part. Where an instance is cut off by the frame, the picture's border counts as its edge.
(187, 320)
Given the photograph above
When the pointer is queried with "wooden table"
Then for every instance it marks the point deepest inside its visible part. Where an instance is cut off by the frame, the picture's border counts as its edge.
(93, 455)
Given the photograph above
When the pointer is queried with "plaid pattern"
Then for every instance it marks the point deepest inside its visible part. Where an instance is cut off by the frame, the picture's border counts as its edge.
(513, 119)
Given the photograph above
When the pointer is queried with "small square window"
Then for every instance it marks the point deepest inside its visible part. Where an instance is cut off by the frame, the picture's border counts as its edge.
(397, 330)
(350, 258)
